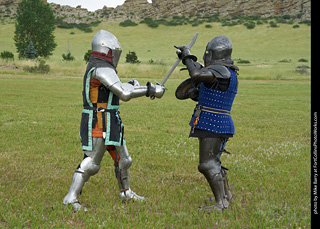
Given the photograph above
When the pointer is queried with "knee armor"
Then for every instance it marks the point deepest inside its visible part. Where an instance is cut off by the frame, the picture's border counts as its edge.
(88, 168)
(210, 167)
(209, 155)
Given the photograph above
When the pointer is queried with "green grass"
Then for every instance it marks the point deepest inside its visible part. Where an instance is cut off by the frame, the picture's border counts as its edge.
(269, 165)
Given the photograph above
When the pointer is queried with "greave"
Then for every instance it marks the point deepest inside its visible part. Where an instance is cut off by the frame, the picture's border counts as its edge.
(122, 176)
(217, 186)
(227, 190)
(75, 189)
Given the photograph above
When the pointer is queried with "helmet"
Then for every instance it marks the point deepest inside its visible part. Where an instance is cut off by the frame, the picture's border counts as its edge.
(219, 49)
(107, 43)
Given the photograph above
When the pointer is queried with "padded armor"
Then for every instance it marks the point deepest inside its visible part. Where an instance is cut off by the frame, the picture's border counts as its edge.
(212, 113)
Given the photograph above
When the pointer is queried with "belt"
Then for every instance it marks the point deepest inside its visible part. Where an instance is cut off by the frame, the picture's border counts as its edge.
(103, 111)
(211, 110)
(100, 109)
(215, 110)
(200, 108)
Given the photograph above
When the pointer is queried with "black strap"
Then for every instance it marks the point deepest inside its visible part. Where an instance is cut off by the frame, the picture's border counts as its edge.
(104, 121)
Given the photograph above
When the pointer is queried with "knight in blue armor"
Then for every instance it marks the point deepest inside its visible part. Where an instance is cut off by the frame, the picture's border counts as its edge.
(214, 86)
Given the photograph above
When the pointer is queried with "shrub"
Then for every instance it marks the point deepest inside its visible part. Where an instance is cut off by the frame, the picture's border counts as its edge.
(303, 69)
(157, 62)
(41, 68)
(243, 61)
(84, 27)
(132, 58)
(67, 57)
(273, 24)
(87, 56)
(6, 55)
(285, 61)
(150, 22)
(249, 25)
(303, 60)
(81, 26)
(127, 23)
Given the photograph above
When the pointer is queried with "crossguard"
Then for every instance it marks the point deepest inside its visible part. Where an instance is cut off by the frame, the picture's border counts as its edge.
(178, 51)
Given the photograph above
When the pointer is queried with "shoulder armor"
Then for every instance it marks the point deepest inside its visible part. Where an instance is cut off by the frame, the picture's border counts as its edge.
(107, 76)
(220, 71)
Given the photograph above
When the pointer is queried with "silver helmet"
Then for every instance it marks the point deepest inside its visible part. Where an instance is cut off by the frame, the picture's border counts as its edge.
(107, 43)
(219, 49)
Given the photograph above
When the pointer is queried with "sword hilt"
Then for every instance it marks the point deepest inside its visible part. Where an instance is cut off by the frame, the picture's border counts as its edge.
(152, 97)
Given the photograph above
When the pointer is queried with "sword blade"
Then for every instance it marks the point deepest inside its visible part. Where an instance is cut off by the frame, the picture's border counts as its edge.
(193, 40)
(191, 43)
(164, 80)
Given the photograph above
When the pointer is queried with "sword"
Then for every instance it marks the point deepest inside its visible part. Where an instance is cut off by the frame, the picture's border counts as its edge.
(164, 80)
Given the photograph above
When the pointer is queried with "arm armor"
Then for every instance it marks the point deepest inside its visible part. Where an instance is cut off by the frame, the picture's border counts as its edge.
(206, 74)
(125, 91)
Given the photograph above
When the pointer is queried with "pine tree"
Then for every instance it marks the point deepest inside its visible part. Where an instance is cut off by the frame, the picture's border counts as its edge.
(36, 23)
(30, 52)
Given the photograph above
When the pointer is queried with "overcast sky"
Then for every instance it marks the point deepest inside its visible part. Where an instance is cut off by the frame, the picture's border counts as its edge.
(91, 5)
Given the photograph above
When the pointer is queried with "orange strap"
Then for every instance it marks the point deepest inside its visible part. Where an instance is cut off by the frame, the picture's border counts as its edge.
(112, 152)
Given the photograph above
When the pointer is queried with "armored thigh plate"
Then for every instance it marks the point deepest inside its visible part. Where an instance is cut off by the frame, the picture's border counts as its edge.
(209, 155)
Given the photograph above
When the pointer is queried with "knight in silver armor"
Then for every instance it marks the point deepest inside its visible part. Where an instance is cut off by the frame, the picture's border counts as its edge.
(214, 87)
(101, 127)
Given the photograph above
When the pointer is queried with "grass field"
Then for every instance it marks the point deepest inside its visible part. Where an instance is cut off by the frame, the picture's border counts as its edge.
(269, 165)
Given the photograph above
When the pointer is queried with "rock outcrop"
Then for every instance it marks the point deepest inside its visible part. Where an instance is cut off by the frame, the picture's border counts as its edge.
(139, 9)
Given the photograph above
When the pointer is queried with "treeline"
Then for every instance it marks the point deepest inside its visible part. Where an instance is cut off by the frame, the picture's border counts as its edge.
(86, 27)
(248, 21)
(195, 20)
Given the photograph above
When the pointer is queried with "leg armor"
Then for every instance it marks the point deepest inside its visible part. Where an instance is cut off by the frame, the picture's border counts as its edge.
(122, 173)
(227, 190)
(122, 168)
(89, 166)
(210, 167)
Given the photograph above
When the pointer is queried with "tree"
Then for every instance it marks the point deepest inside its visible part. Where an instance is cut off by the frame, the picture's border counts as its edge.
(35, 23)
(6, 55)
(30, 52)
(87, 56)
(132, 58)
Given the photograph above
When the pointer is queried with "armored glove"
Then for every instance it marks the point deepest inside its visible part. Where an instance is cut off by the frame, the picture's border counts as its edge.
(183, 53)
(155, 90)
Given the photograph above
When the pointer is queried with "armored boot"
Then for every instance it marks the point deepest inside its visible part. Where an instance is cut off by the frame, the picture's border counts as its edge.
(228, 194)
(217, 186)
(125, 192)
(129, 194)
(122, 175)
(75, 190)
(89, 166)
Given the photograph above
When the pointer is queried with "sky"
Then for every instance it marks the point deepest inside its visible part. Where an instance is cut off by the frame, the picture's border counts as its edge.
(91, 5)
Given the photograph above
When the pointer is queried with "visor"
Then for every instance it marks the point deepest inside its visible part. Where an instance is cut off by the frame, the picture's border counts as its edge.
(116, 53)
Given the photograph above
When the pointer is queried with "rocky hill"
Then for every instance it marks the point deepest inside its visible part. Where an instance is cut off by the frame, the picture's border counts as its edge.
(139, 9)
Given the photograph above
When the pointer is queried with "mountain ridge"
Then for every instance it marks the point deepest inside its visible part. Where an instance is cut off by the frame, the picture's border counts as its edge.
(140, 9)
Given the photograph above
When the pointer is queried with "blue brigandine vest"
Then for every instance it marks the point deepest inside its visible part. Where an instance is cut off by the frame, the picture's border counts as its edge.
(212, 112)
